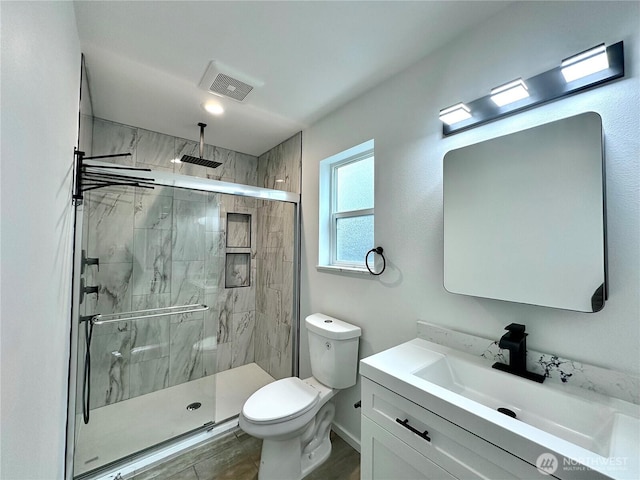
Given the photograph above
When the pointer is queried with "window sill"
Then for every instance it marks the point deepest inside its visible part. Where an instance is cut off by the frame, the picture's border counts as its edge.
(350, 270)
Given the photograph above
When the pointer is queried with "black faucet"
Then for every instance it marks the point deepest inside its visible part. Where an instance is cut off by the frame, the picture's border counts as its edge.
(515, 340)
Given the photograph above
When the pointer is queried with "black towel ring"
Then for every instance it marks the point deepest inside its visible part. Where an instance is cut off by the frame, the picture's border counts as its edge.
(379, 251)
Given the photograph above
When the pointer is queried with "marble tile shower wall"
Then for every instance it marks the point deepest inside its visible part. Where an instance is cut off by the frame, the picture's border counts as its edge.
(279, 168)
(159, 248)
(156, 150)
(274, 294)
(236, 315)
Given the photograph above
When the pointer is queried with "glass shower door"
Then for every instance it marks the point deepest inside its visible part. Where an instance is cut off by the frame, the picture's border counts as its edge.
(156, 372)
(149, 375)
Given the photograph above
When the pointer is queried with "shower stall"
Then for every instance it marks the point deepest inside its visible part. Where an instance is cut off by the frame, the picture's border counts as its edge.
(185, 295)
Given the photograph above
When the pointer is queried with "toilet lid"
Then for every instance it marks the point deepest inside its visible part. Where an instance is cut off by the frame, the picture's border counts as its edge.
(280, 400)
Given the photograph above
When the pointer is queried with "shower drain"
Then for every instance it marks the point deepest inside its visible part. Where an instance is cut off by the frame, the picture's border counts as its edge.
(194, 406)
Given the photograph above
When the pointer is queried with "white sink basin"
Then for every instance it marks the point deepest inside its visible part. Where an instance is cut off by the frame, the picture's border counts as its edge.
(574, 419)
(569, 421)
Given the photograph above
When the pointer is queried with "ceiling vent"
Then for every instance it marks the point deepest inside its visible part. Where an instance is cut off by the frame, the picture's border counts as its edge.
(225, 82)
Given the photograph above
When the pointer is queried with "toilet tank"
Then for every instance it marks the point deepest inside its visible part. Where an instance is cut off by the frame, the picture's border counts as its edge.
(333, 346)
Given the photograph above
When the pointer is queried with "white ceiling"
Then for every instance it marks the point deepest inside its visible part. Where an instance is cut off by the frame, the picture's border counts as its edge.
(146, 59)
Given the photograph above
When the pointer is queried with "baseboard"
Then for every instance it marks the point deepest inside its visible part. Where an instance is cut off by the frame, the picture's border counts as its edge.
(346, 436)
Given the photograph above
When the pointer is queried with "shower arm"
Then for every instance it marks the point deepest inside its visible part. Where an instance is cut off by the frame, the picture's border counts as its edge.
(100, 319)
(201, 150)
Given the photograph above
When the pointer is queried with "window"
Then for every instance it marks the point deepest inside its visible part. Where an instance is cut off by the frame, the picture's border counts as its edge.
(346, 207)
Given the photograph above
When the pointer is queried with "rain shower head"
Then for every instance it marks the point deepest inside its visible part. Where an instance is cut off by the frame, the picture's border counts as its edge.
(200, 160)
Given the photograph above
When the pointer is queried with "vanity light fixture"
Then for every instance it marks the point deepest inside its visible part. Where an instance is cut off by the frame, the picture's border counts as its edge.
(455, 113)
(585, 63)
(583, 71)
(509, 92)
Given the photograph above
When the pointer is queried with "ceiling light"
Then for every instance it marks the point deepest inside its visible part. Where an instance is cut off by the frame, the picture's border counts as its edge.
(213, 108)
(583, 64)
(455, 114)
(176, 160)
(509, 93)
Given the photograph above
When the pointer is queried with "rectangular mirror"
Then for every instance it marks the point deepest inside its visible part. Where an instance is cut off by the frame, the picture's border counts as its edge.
(524, 216)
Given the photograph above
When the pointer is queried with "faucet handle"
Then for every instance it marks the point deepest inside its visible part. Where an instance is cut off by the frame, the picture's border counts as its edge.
(515, 328)
(88, 261)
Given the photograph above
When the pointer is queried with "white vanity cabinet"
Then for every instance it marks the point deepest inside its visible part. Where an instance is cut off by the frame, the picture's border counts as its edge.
(432, 412)
(402, 440)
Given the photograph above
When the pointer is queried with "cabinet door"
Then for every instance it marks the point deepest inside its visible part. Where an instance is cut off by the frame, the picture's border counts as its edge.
(385, 457)
(456, 450)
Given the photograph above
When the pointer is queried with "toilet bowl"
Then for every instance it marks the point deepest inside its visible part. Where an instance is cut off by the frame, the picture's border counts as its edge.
(293, 416)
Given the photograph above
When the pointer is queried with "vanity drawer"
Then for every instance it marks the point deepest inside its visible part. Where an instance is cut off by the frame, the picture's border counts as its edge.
(459, 452)
(386, 457)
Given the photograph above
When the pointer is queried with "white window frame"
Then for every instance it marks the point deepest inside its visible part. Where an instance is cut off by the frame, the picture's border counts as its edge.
(328, 217)
(346, 214)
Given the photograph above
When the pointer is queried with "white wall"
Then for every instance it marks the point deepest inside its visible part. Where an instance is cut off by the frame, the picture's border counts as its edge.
(402, 116)
(40, 86)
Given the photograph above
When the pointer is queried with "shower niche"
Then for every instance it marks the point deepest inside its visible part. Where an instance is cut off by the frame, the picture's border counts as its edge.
(238, 257)
(238, 230)
(237, 270)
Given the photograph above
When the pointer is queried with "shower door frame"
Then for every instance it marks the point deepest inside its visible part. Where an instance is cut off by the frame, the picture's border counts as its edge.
(167, 179)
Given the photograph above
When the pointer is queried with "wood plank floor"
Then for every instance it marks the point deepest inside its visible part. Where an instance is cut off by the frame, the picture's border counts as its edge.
(236, 456)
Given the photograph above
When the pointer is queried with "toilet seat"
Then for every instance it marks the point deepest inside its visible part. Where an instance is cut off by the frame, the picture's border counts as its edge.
(280, 401)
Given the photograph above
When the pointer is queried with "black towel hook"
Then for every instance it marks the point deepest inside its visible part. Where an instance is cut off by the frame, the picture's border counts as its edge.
(377, 250)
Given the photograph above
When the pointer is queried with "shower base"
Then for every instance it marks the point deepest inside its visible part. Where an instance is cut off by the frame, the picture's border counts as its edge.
(121, 429)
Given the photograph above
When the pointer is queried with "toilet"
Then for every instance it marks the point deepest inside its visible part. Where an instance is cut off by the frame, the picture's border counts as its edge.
(293, 416)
